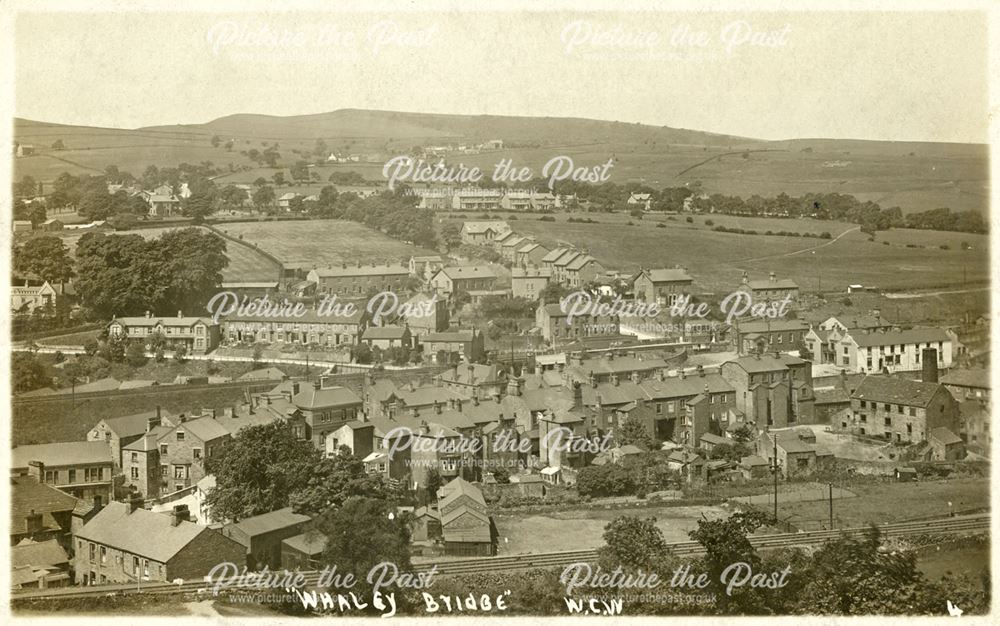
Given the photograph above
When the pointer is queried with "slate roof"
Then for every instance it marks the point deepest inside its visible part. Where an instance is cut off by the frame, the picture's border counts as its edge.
(780, 283)
(268, 522)
(27, 494)
(714, 439)
(452, 336)
(944, 435)
(899, 337)
(183, 321)
(38, 554)
(975, 378)
(130, 425)
(63, 454)
(364, 270)
(385, 332)
(553, 255)
(668, 275)
(766, 363)
(580, 262)
(205, 428)
(141, 532)
(311, 398)
(311, 543)
(468, 271)
(482, 226)
(267, 373)
(896, 390)
(763, 326)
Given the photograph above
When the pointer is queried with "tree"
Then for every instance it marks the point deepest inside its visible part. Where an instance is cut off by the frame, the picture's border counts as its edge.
(27, 372)
(434, 482)
(334, 480)
(90, 347)
(634, 432)
(362, 534)
(113, 349)
(199, 205)
(605, 480)
(451, 235)
(263, 197)
(726, 541)
(259, 470)
(27, 188)
(300, 171)
(730, 451)
(743, 433)
(633, 542)
(216, 140)
(45, 257)
(854, 576)
(180, 353)
(278, 178)
(135, 354)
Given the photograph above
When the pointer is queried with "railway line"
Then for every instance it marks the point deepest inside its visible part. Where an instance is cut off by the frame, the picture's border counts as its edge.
(966, 523)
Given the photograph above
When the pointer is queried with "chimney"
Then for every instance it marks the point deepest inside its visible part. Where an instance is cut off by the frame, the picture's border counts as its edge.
(179, 514)
(701, 371)
(36, 469)
(496, 397)
(414, 412)
(513, 386)
(614, 379)
(135, 502)
(180, 314)
(681, 373)
(295, 389)
(316, 385)
(771, 277)
(929, 361)
(33, 522)
(577, 395)
(152, 423)
(148, 315)
(475, 399)
(437, 407)
(229, 412)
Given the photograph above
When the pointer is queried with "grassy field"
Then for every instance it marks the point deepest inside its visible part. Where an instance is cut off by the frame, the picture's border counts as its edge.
(895, 502)
(579, 529)
(323, 242)
(59, 420)
(967, 556)
(915, 176)
(245, 264)
(717, 260)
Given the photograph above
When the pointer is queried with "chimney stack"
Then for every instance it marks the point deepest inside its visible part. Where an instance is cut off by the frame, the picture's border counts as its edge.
(33, 522)
(36, 469)
(771, 277)
(929, 361)
(577, 395)
(701, 371)
(135, 502)
(179, 514)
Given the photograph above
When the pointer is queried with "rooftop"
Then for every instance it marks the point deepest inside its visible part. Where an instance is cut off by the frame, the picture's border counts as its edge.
(899, 337)
(268, 522)
(141, 532)
(63, 454)
(896, 390)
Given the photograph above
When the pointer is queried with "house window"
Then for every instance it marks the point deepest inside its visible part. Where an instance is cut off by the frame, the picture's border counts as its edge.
(72, 476)
(180, 435)
(135, 457)
(180, 471)
(135, 565)
(163, 448)
(888, 421)
(93, 552)
(864, 404)
(50, 476)
(913, 412)
(163, 471)
(135, 472)
(104, 554)
(196, 453)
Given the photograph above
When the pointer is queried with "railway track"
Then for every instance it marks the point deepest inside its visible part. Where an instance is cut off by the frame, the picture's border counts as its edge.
(541, 560)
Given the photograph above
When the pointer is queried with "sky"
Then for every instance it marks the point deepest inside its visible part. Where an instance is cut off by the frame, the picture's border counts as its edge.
(864, 75)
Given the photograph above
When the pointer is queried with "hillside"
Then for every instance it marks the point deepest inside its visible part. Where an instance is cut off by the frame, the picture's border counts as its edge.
(913, 175)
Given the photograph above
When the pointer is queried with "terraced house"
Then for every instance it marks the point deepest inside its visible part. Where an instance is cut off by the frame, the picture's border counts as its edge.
(892, 350)
(198, 335)
(125, 543)
(330, 330)
(662, 286)
(359, 279)
(83, 469)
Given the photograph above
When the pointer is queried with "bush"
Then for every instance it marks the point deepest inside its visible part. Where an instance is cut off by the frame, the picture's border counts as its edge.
(689, 219)
(945, 247)
(661, 225)
(825, 235)
(709, 222)
(59, 356)
(135, 354)
(546, 218)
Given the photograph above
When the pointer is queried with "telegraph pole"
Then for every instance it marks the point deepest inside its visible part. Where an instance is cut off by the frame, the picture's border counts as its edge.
(831, 506)
(774, 470)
